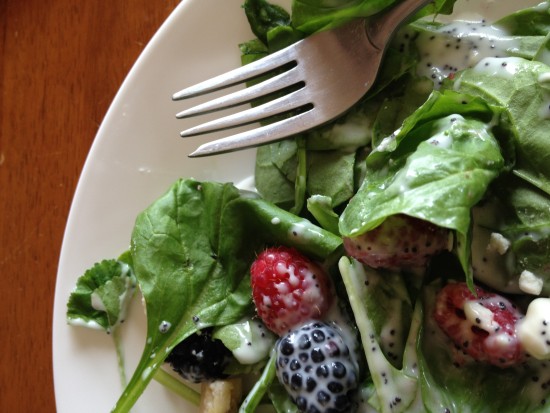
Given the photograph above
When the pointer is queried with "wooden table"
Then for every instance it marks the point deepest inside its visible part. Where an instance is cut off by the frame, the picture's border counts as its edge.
(61, 63)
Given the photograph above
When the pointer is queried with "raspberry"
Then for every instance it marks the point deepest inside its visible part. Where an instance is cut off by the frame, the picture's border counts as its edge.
(315, 367)
(484, 327)
(400, 242)
(288, 289)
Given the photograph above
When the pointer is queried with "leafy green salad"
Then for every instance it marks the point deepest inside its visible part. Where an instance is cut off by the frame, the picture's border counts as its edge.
(450, 148)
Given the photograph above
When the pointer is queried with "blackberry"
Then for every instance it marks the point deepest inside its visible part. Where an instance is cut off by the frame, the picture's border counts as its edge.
(200, 358)
(315, 367)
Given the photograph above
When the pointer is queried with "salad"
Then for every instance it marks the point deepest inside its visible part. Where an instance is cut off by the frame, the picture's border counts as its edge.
(423, 214)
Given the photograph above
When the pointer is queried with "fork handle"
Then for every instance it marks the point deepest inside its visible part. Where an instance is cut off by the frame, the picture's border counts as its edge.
(381, 28)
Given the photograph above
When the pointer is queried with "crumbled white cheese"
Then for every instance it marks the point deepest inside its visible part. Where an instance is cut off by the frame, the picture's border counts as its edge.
(529, 283)
(498, 243)
(534, 329)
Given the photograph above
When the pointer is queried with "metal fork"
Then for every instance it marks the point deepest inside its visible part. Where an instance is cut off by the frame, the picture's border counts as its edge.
(328, 73)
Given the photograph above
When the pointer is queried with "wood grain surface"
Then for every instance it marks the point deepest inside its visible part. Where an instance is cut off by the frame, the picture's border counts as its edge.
(61, 63)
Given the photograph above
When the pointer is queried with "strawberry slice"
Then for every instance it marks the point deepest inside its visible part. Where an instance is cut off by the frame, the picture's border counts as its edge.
(482, 326)
(288, 289)
(400, 242)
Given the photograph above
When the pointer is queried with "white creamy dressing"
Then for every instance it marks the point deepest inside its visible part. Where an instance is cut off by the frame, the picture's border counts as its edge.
(502, 67)
(80, 322)
(303, 231)
(164, 326)
(460, 45)
(97, 302)
(255, 342)
(534, 329)
(390, 386)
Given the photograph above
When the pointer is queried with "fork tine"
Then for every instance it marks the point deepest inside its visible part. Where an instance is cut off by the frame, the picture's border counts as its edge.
(286, 103)
(259, 136)
(239, 75)
(273, 84)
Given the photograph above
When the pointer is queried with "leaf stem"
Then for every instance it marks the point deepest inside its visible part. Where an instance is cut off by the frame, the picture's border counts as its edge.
(120, 357)
(301, 176)
(177, 387)
(257, 393)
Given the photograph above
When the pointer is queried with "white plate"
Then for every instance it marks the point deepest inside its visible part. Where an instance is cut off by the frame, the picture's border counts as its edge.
(136, 155)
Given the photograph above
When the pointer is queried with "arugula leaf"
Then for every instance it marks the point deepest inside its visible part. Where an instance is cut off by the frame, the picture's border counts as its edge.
(101, 296)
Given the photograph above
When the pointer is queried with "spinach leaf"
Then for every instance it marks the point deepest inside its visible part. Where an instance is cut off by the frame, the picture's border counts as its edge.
(436, 171)
(310, 16)
(191, 251)
(396, 387)
(274, 181)
(438, 104)
(532, 21)
(264, 16)
(521, 88)
(183, 247)
(321, 208)
(523, 219)
(245, 335)
(281, 170)
(101, 296)
(331, 174)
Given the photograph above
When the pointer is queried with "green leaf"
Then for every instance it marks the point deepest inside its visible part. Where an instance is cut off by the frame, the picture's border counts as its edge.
(521, 88)
(264, 16)
(473, 387)
(101, 296)
(522, 217)
(320, 207)
(249, 340)
(270, 225)
(184, 248)
(436, 172)
(275, 172)
(261, 387)
(532, 21)
(310, 16)
(192, 249)
(331, 174)
(396, 389)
